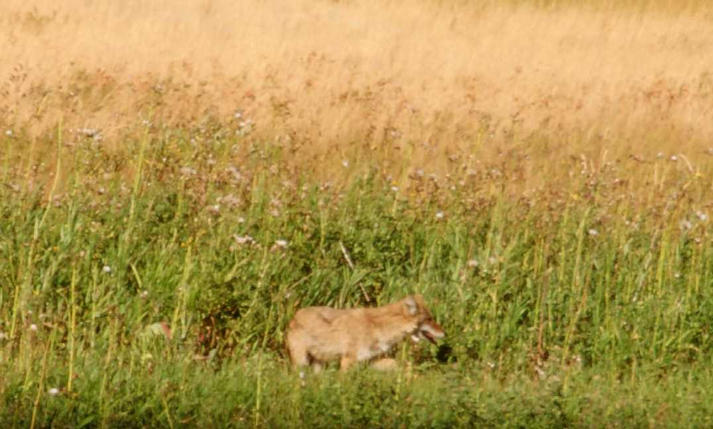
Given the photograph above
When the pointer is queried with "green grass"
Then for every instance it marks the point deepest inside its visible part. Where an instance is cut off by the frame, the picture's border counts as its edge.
(583, 303)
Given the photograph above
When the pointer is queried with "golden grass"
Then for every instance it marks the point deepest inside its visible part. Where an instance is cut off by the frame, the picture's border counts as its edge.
(386, 80)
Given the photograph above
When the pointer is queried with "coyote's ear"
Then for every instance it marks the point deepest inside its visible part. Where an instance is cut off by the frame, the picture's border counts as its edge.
(410, 305)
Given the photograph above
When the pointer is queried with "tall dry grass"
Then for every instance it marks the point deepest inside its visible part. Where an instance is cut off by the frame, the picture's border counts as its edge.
(385, 80)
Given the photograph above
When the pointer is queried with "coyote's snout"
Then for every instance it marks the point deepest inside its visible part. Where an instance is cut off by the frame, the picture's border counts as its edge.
(320, 334)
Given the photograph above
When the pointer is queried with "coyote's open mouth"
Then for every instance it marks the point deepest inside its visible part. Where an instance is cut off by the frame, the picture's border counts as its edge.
(429, 332)
(428, 336)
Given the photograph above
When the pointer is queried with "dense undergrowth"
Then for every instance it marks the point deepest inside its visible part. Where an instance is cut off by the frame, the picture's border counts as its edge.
(161, 295)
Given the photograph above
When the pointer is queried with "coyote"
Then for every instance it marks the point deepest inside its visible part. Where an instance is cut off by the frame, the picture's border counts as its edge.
(320, 334)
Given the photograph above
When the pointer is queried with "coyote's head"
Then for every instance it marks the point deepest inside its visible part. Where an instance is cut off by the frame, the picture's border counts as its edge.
(426, 327)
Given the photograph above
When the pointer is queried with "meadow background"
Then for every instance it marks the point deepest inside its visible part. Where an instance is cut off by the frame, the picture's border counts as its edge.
(179, 176)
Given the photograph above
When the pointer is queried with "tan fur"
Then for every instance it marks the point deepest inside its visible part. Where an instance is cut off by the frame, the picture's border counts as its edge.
(317, 335)
(384, 364)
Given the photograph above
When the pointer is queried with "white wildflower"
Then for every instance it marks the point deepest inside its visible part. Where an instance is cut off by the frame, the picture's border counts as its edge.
(439, 215)
(53, 391)
(88, 132)
(187, 171)
(33, 327)
(106, 269)
(243, 239)
(246, 125)
(235, 173)
(230, 200)
(281, 243)
(593, 232)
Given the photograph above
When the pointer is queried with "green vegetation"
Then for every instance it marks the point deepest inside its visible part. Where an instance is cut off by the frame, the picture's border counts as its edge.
(175, 182)
(153, 286)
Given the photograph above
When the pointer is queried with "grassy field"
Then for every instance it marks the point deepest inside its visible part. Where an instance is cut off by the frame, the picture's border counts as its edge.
(179, 177)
